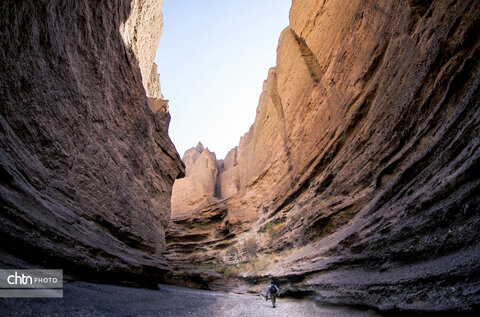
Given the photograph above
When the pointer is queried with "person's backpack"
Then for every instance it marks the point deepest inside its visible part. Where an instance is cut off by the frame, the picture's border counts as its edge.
(273, 289)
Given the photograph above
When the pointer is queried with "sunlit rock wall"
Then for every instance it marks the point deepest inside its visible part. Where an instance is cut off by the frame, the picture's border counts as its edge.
(364, 157)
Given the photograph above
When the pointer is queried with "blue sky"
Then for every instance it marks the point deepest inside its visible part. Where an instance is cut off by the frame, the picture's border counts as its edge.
(213, 58)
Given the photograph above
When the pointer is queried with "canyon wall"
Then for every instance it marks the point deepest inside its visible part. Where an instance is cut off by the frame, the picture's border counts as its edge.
(86, 163)
(358, 182)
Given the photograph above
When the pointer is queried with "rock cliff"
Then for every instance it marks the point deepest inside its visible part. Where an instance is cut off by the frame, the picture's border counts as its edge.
(86, 163)
(198, 186)
(358, 182)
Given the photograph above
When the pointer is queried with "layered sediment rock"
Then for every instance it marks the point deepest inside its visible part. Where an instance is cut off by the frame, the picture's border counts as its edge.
(86, 167)
(359, 178)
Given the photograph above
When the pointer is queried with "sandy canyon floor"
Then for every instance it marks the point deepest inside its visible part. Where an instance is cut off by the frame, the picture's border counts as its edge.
(86, 299)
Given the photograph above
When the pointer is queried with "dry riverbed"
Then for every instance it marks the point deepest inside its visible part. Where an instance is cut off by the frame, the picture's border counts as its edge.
(86, 299)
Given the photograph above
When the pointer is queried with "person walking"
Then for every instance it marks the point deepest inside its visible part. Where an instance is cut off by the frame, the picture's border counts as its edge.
(273, 291)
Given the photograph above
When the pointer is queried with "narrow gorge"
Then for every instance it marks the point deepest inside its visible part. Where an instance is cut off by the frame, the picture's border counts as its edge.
(358, 183)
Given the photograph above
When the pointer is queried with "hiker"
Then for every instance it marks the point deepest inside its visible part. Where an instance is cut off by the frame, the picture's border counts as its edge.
(273, 291)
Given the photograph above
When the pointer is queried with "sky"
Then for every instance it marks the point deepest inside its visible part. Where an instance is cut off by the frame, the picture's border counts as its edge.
(212, 59)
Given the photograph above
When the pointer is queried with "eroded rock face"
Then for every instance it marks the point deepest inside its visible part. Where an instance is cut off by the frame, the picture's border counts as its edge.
(228, 180)
(361, 169)
(86, 167)
(198, 186)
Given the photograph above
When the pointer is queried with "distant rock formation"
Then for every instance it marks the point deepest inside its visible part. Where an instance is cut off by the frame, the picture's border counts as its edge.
(364, 155)
(86, 167)
(198, 186)
(228, 180)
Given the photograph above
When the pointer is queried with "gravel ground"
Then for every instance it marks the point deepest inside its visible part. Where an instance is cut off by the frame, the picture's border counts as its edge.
(86, 299)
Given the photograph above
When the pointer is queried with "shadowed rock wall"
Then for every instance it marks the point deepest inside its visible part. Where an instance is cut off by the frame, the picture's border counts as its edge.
(86, 167)
(361, 169)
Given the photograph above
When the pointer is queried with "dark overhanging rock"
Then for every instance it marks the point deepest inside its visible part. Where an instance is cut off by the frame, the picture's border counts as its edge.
(87, 168)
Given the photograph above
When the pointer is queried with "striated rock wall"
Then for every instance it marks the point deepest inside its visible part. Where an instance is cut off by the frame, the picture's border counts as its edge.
(358, 180)
(86, 167)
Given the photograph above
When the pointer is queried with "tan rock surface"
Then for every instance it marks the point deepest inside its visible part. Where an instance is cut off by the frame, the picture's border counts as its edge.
(87, 168)
(360, 170)
(228, 179)
(198, 186)
(141, 33)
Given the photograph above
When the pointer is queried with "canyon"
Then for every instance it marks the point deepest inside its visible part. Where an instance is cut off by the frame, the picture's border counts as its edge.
(357, 184)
